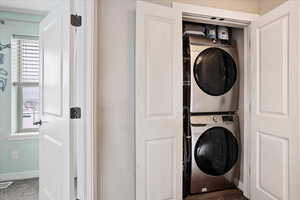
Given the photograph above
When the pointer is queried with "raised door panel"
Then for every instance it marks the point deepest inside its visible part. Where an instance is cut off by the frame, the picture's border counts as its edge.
(273, 66)
(52, 71)
(54, 143)
(158, 103)
(275, 186)
(160, 169)
(275, 97)
(159, 66)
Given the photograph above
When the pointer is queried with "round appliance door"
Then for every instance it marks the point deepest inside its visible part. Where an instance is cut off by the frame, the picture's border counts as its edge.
(215, 71)
(216, 151)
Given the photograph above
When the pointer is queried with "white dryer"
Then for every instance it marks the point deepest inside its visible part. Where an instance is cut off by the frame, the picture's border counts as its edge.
(212, 74)
(215, 150)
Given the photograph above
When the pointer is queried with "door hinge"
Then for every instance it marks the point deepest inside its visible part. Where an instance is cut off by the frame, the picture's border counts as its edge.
(75, 113)
(76, 20)
(249, 107)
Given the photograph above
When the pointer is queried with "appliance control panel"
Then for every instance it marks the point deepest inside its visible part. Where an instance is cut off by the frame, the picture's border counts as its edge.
(227, 118)
(211, 119)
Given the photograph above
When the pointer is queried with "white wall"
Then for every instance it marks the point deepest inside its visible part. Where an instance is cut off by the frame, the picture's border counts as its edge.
(116, 100)
(238, 36)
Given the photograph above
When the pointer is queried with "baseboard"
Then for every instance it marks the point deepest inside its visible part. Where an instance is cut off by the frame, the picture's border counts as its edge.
(19, 175)
(240, 186)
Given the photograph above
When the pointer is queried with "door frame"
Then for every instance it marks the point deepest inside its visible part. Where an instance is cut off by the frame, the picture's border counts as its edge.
(91, 48)
(90, 45)
(240, 20)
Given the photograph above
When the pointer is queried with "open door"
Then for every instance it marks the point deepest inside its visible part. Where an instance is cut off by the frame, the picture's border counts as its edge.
(158, 103)
(275, 172)
(55, 156)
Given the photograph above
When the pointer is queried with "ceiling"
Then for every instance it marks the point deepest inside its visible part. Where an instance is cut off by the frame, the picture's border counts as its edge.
(39, 6)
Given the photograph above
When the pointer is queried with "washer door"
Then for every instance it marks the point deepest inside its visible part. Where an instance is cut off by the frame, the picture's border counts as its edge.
(215, 71)
(216, 151)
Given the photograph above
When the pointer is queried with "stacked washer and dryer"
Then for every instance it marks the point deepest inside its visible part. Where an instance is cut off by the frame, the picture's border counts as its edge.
(211, 127)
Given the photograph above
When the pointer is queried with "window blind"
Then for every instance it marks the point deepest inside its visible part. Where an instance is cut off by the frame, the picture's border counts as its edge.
(26, 59)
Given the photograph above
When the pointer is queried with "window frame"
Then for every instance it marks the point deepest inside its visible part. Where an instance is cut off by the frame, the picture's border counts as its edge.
(17, 92)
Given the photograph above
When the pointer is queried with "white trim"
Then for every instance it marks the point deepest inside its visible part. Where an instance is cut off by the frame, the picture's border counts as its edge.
(23, 11)
(24, 136)
(20, 21)
(247, 114)
(240, 186)
(91, 66)
(19, 175)
(21, 136)
(215, 12)
(246, 19)
(78, 98)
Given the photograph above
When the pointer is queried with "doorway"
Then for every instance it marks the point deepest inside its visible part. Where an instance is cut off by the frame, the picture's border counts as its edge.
(24, 157)
(19, 168)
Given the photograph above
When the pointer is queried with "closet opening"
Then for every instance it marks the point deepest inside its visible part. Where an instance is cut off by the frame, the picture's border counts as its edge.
(215, 98)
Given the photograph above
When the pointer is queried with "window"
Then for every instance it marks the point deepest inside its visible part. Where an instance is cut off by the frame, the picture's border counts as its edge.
(25, 81)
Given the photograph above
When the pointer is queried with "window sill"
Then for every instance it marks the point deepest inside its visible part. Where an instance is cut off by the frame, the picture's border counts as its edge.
(24, 136)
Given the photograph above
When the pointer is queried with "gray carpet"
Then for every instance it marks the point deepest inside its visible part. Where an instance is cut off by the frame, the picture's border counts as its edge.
(21, 190)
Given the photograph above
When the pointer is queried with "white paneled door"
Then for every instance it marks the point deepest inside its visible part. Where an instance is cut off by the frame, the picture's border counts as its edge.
(158, 103)
(55, 170)
(275, 172)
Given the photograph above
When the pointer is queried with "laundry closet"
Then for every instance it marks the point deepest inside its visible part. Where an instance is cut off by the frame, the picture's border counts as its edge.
(217, 102)
(212, 148)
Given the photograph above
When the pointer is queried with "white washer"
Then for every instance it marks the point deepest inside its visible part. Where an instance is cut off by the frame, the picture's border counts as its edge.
(215, 163)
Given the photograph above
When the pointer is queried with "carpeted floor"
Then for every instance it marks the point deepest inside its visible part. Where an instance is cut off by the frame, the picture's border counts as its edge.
(21, 190)
(24, 190)
(232, 194)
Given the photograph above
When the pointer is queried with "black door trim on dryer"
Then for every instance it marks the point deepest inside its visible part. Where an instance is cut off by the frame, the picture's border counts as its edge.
(216, 151)
(215, 71)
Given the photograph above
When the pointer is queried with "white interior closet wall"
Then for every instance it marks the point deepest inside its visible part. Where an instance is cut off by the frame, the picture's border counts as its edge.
(238, 36)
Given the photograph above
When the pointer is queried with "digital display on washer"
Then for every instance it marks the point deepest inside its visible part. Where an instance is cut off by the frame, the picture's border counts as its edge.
(216, 151)
(227, 118)
(215, 71)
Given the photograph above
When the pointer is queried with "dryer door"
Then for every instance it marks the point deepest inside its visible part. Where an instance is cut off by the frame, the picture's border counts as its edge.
(215, 71)
(216, 151)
